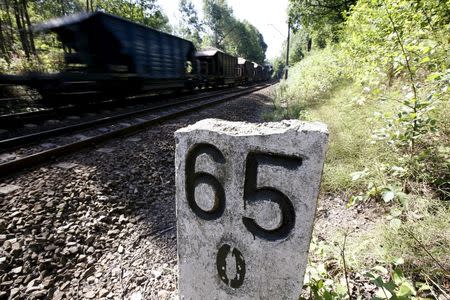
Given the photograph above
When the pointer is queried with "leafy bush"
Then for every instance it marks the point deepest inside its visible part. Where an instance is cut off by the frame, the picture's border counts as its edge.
(405, 40)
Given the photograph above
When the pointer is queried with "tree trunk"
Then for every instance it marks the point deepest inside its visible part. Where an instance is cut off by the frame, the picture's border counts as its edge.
(21, 29)
(3, 49)
(9, 35)
(309, 44)
(29, 30)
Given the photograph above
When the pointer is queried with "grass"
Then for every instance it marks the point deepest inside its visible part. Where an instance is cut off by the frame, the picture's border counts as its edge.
(349, 124)
(423, 238)
(337, 102)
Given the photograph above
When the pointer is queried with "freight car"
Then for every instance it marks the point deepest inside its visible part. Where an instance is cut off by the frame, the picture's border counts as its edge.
(216, 67)
(245, 72)
(107, 46)
(267, 72)
(116, 57)
(258, 70)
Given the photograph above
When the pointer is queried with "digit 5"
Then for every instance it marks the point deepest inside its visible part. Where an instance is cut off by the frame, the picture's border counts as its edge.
(252, 193)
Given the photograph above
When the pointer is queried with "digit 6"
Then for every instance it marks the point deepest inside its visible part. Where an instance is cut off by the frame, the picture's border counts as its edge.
(194, 179)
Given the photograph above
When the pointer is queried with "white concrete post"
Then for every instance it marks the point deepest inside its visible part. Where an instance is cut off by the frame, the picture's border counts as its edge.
(246, 201)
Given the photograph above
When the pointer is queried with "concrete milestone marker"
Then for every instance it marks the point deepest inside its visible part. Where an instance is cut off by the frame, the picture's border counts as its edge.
(246, 200)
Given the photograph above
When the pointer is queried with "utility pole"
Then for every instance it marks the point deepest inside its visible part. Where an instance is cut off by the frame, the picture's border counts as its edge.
(287, 50)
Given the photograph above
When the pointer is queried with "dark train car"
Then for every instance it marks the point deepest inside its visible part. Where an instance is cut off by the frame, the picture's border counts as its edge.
(267, 72)
(123, 54)
(216, 67)
(258, 71)
(245, 71)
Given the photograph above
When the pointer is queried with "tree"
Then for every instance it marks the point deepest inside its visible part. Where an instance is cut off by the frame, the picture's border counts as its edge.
(246, 41)
(146, 12)
(190, 26)
(298, 46)
(219, 19)
(321, 19)
(239, 38)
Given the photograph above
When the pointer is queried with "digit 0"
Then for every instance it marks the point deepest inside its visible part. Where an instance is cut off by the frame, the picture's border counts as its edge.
(221, 263)
(194, 179)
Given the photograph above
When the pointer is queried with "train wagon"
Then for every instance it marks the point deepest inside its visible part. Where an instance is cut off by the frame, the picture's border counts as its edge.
(245, 71)
(216, 67)
(122, 55)
(258, 71)
(267, 72)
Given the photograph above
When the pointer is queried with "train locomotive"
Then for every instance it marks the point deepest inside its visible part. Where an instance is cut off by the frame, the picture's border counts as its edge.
(109, 55)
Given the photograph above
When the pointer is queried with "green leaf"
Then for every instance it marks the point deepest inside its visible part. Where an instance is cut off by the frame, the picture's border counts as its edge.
(382, 293)
(358, 175)
(406, 290)
(390, 286)
(320, 284)
(398, 277)
(424, 287)
(426, 49)
(401, 197)
(388, 196)
(425, 60)
(433, 76)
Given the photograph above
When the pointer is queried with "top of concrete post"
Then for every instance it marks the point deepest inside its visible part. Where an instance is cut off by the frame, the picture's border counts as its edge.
(246, 129)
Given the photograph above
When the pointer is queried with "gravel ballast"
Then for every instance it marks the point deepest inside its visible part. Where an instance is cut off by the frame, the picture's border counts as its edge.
(100, 224)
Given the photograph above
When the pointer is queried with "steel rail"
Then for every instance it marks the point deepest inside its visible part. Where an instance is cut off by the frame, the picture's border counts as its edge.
(14, 120)
(18, 141)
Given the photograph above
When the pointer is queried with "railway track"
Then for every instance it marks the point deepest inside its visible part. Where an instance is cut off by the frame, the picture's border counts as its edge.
(38, 115)
(97, 117)
(68, 139)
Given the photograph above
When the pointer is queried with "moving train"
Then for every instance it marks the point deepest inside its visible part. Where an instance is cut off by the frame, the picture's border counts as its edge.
(113, 56)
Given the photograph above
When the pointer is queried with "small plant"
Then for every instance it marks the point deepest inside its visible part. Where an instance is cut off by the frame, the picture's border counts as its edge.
(320, 280)
(396, 286)
(379, 186)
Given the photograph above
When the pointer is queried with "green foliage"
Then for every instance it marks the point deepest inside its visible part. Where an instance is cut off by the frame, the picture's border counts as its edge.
(309, 81)
(387, 36)
(145, 12)
(322, 20)
(397, 287)
(298, 47)
(388, 116)
(219, 19)
(246, 41)
(318, 90)
(408, 42)
(236, 37)
(420, 235)
(190, 26)
(278, 64)
(323, 279)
